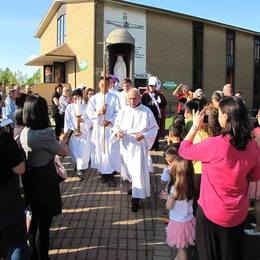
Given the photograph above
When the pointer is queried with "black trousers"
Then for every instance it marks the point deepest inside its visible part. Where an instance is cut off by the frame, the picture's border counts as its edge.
(215, 242)
(39, 237)
(59, 121)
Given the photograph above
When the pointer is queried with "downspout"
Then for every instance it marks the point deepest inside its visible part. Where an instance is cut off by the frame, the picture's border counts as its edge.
(94, 46)
(75, 72)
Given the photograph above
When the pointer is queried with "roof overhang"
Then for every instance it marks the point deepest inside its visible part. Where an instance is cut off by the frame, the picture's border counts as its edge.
(50, 14)
(61, 54)
(57, 3)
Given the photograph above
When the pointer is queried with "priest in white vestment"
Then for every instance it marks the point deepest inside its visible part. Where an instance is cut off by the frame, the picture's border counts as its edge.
(102, 110)
(136, 128)
(79, 142)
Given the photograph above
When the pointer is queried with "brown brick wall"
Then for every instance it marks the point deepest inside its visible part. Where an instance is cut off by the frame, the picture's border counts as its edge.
(80, 37)
(48, 40)
(169, 48)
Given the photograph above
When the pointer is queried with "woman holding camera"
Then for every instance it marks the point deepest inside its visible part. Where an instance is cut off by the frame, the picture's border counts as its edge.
(229, 161)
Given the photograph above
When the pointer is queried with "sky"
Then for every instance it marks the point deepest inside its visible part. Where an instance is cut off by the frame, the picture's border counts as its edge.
(19, 21)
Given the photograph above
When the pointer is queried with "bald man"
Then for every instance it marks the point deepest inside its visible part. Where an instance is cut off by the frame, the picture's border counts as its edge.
(135, 128)
(228, 90)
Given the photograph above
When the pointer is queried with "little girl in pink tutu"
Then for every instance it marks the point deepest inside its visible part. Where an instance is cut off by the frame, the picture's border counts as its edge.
(181, 228)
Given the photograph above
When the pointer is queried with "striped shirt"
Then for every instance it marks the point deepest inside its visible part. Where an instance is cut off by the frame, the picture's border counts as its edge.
(63, 103)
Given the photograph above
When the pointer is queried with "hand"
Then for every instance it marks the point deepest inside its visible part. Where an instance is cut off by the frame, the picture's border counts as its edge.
(177, 89)
(198, 118)
(64, 137)
(80, 119)
(103, 110)
(163, 195)
(106, 123)
(120, 134)
(139, 137)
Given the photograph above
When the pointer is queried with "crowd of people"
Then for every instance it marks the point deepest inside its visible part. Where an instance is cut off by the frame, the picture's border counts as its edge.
(212, 161)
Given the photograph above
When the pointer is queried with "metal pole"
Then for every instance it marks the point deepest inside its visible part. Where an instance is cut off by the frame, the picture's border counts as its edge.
(104, 101)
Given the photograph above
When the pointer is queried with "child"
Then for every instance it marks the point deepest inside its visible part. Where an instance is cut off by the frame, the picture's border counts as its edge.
(181, 228)
(173, 141)
(191, 105)
(169, 155)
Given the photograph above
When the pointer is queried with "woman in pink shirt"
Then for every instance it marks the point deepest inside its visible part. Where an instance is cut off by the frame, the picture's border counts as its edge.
(229, 162)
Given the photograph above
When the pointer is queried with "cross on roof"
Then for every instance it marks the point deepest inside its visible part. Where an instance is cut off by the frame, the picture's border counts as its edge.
(125, 24)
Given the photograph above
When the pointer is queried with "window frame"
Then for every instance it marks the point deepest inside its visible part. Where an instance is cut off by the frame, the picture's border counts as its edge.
(198, 52)
(230, 57)
(61, 29)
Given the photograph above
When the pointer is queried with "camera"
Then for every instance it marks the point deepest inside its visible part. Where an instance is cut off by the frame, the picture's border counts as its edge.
(206, 119)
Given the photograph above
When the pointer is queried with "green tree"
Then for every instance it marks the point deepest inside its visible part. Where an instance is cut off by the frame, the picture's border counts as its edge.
(35, 79)
(7, 77)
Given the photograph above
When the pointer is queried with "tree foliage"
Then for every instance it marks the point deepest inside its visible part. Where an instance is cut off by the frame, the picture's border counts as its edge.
(7, 77)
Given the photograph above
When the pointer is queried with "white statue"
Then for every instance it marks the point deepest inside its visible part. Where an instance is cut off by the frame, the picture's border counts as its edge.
(120, 68)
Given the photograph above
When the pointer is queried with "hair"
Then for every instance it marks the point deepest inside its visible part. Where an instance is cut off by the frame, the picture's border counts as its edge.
(212, 128)
(238, 126)
(58, 86)
(182, 177)
(127, 80)
(21, 99)
(18, 115)
(85, 95)
(171, 153)
(179, 119)
(191, 105)
(177, 129)
(35, 113)
(77, 92)
(216, 95)
(102, 78)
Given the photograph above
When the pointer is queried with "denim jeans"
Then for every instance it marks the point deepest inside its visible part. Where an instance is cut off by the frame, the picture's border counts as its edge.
(19, 252)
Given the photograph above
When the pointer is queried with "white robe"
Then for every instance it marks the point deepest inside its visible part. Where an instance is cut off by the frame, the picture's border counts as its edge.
(104, 154)
(114, 91)
(123, 99)
(135, 160)
(79, 146)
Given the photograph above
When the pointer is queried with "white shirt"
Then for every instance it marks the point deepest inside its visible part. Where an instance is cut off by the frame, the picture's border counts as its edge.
(182, 210)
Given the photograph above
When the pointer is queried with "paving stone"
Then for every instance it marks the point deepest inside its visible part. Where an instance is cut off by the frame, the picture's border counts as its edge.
(97, 222)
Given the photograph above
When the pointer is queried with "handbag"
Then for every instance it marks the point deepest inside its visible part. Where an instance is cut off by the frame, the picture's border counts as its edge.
(60, 169)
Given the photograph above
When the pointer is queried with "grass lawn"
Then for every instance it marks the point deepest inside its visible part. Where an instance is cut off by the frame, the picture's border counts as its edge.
(168, 122)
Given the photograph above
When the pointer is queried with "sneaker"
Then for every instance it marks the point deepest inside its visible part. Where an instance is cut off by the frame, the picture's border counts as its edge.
(111, 181)
(253, 225)
(135, 205)
(252, 232)
(103, 178)
(80, 174)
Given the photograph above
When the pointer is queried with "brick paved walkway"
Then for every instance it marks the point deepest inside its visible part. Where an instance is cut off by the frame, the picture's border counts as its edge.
(97, 221)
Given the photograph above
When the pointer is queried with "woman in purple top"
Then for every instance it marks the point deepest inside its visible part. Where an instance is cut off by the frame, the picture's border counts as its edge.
(228, 161)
